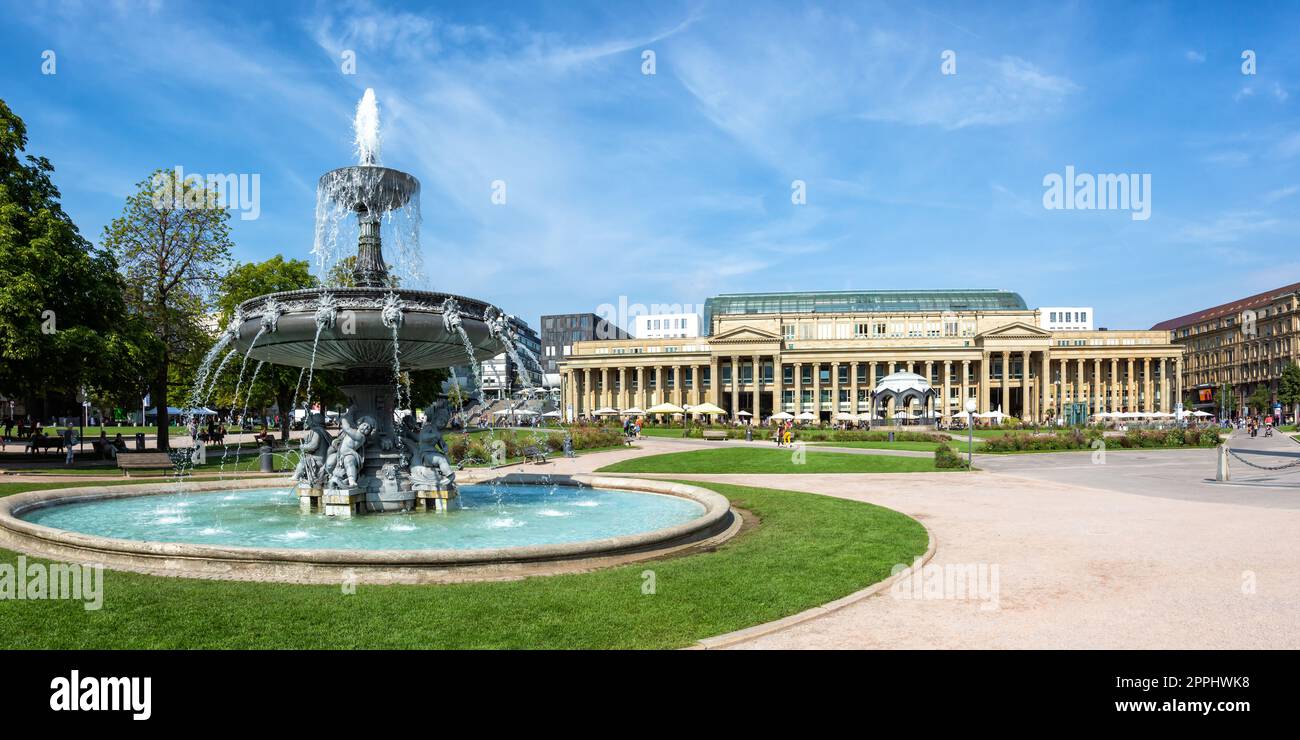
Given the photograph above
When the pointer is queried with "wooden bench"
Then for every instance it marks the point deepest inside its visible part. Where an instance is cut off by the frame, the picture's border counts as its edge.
(535, 454)
(715, 435)
(44, 443)
(129, 461)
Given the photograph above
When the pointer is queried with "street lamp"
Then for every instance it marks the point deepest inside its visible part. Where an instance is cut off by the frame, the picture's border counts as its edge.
(970, 429)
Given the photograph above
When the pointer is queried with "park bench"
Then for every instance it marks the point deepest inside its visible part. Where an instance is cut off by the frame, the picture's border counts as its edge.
(44, 443)
(129, 461)
(535, 454)
(715, 435)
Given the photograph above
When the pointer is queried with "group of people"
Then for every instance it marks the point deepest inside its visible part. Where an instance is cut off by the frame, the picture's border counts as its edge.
(1254, 423)
(632, 427)
(783, 433)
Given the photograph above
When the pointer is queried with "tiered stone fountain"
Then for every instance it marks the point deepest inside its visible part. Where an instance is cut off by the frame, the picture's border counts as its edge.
(371, 332)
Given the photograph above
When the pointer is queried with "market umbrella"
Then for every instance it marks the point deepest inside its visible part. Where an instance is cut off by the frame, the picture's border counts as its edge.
(706, 408)
(634, 411)
(806, 416)
(782, 416)
(665, 408)
(607, 411)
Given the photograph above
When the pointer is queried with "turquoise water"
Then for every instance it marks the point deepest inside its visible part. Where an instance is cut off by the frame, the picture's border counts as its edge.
(512, 516)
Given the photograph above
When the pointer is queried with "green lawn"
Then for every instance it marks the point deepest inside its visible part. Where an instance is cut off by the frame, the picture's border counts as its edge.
(956, 445)
(808, 550)
(769, 460)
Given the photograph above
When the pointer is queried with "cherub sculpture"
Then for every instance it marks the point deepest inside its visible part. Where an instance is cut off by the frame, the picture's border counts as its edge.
(314, 451)
(345, 464)
(430, 466)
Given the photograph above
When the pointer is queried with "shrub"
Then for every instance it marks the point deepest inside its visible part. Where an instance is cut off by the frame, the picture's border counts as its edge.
(946, 459)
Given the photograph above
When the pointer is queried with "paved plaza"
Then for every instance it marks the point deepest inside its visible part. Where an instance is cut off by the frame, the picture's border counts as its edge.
(1144, 551)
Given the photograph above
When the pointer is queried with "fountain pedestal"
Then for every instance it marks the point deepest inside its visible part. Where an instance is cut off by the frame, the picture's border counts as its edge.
(309, 499)
(431, 498)
(344, 501)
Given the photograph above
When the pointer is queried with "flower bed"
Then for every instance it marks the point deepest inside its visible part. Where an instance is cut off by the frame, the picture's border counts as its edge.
(1083, 439)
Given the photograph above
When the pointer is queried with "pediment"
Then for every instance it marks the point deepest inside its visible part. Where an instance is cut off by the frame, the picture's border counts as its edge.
(745, 335)
(1016, 330)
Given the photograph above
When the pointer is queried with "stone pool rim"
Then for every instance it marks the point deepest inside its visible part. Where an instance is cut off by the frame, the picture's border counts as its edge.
(328, 565)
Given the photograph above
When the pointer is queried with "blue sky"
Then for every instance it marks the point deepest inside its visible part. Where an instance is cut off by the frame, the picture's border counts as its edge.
(676, 186)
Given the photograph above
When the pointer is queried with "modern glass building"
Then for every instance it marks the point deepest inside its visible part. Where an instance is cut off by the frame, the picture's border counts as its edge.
(858, 301)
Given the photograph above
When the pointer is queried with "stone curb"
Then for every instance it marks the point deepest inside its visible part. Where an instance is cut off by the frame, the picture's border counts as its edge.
(751, 633)
(371, 566)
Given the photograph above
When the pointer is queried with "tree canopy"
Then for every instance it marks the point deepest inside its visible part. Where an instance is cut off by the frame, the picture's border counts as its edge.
(64, 325)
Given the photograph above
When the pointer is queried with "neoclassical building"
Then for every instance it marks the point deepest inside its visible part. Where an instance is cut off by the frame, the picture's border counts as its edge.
(825, 352)
(1238, 346)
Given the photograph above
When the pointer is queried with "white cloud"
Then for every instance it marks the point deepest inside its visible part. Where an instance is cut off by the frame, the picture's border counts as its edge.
(1195, 56)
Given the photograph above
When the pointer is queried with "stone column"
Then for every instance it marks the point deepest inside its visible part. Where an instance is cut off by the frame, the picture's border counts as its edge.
(817, 390)
(965, 386)
(945, 409)
(984, 382)
(1146, 384)
(1130, 385)
(798, 388)
(778, 383)
(715, 381)
(1163, 364)
(735, 387)
(1045, 380)
(1116, 402)
(1006, 382)
(1081, 392)
(1178, 379)
(758, 388)
(658, 396)
(835, 389)
(1026, 412)
(853, 388)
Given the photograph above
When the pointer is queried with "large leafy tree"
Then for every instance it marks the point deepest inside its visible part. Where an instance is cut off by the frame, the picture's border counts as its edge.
(64, 326)
(173, 244)
(1288, 389)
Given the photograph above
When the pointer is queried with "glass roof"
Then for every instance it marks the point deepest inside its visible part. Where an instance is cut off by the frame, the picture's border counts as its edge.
(861, 301)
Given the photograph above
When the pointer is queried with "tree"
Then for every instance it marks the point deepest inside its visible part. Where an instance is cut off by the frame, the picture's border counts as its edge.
(274, 383)
(1288, 390)
(64, 325)
(340, 275)
(173, 244)
(1259, 398)
(1227, 400)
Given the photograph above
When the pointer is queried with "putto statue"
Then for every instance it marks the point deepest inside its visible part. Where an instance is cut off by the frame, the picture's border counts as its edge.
(315, 451)
(429, 467)
(344, 463)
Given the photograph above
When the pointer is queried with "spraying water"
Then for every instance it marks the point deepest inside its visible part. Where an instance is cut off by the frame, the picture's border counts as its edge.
(366, 128)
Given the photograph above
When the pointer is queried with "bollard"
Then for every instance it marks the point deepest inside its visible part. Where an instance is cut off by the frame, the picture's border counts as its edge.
(268, 462)
(139, 441)
(1221, 475)
(891, 435)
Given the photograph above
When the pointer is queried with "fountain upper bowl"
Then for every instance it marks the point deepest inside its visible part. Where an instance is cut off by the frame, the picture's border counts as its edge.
(369, 187)
(359, 337)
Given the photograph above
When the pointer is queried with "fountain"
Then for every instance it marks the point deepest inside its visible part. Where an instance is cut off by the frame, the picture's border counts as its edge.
(489, 524)
(371, 332)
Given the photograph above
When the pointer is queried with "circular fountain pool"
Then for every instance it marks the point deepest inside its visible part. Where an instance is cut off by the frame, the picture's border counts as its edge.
(511, 526)
(515, 515)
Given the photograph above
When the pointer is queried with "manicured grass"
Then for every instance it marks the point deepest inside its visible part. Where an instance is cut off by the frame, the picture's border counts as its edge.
(808, 550)
(956, 445)
(769, 460)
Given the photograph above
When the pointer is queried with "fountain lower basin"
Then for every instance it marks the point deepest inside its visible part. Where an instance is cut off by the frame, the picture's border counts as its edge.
(646, 519)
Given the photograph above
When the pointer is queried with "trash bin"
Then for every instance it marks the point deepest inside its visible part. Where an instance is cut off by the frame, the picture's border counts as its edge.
(891, 435)
(139, 441)
(268, 463)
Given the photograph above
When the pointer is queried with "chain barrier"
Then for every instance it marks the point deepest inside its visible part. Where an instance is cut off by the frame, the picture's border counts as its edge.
(1270, 468)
